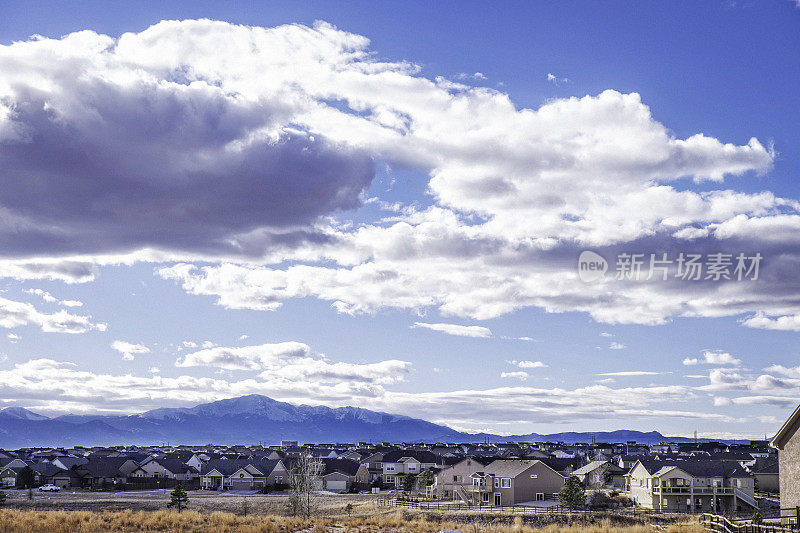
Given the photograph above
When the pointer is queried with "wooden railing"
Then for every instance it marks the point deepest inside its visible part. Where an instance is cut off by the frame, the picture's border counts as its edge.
(721, 524)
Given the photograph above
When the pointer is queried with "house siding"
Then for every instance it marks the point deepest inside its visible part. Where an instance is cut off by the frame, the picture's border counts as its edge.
(524, 488)
(789, 468)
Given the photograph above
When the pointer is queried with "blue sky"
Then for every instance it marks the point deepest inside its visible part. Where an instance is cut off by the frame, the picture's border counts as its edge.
(329, 224)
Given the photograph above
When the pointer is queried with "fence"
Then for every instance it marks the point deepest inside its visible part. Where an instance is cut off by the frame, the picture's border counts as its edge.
(149, 483)
(721, 524)
(555, 510)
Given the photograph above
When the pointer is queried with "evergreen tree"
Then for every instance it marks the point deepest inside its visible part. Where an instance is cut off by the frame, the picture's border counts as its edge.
(26, 478)
(426, 478)
(2, 497)
(571, 494)
(409, 482)
(179, 498)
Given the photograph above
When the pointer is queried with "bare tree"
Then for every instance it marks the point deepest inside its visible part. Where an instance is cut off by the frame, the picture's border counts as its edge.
(305, 479)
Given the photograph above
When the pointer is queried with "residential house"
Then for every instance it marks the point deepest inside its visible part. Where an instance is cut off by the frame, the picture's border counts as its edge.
(563, 466)
(765, 472)
(48, 473)
(166, 467)
(8, 475)
(373, 460)
(600, 475)
(455, 481)
(68, 462)
(243, 474)
(100, 472)
(691, 485)
(339, 475)
(787, 442)
(514, 481)
(396, 464)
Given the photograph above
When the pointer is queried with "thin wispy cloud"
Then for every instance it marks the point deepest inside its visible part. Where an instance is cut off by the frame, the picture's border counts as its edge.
(631, 373)
(455, 329)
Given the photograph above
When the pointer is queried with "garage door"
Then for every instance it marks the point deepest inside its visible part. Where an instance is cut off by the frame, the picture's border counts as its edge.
(241, 485)
(336, 485)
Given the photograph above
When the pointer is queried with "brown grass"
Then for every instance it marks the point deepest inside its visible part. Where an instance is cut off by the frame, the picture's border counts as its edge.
(60, 521)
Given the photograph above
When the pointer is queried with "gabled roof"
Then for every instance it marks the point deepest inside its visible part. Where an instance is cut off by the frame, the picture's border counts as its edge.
(345, 466)
(765, 466)
(46, 469)
(104, 466)
(226, 467)
(664, 469)
(174, 465)
(512, 467)
(594, 465)
(696, 467)
(423, 456)
(561, 464)
(787, 430)
(69, 462)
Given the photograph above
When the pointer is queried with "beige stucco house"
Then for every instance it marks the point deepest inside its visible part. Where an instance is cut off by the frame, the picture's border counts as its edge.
(691, 485)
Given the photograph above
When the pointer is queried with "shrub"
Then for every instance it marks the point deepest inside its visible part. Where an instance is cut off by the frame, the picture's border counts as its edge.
(599, 500)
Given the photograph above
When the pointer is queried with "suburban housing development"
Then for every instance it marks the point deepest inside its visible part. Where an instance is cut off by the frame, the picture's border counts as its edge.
(691, 477)
(688, 476)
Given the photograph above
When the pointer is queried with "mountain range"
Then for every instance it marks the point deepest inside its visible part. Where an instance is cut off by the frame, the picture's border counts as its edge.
(258, 419)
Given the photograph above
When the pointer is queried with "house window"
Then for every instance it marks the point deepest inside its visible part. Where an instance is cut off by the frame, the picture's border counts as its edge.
(497, 482)
(389, 479)
(456, 479)
(390, 468)
(486, 497)
(505, 482)
(534, 476)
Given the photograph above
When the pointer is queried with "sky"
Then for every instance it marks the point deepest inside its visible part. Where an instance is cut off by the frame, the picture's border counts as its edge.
(386, 205)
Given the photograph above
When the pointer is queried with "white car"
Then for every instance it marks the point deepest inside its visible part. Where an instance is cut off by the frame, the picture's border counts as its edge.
(49, 488)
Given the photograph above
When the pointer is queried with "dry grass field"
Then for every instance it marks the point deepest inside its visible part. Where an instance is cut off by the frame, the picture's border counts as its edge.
(203, 501)
(80, 511)
(30, 521)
